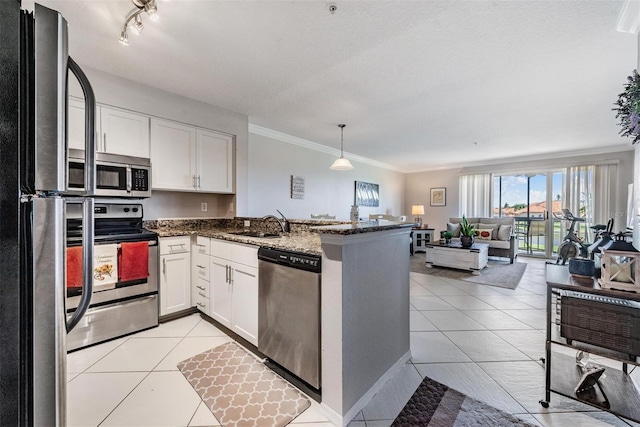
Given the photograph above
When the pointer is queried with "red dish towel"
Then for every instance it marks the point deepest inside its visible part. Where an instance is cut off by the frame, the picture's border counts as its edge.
(74, 267)
(134, 261)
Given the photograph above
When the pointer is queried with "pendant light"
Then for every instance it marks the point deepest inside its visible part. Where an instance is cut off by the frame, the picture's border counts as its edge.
(341, 164)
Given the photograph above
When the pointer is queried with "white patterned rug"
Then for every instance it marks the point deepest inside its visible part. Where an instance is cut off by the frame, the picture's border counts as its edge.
(240, 391)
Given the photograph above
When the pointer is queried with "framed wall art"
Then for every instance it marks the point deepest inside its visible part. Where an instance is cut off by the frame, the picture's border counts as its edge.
(438, 196)
(367, 194)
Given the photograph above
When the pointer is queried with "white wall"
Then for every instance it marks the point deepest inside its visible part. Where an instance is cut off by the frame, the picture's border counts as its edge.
(272, 162)
(417, 184)
(122, 93)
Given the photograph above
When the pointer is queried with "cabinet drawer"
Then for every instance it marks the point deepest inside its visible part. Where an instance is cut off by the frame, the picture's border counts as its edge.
(247, 255)
(236, 252)
(203, 245)
(202, 288)
(175, 245)
(201, 267)
(202, 303)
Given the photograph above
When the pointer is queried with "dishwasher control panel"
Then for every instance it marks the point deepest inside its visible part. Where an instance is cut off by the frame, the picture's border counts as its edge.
(291, 259)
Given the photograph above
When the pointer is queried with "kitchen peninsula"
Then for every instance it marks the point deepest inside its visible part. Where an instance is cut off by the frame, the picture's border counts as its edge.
(364, 297)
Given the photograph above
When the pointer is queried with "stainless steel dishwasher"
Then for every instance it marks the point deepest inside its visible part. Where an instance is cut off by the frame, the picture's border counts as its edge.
(289, 311)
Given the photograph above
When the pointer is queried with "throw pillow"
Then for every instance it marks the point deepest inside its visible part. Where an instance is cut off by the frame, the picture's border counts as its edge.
(483, 233)
(493, 227)
(454, 228)
(504, 233)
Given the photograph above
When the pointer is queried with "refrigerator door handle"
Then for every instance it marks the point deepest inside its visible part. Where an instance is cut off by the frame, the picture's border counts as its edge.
(87, 268)
(90, 129)
(90, 190)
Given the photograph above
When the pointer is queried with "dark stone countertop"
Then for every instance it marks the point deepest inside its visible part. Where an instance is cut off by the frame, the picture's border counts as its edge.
(361, 227)
(307, 240)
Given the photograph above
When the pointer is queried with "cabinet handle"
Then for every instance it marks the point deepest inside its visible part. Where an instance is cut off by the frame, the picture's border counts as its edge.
(200, 266)
(200, 305)
(202, 289)
(199, 182)
(230, 276)
(104, 143)
(164, 266)
(226, 268)
(193, 178)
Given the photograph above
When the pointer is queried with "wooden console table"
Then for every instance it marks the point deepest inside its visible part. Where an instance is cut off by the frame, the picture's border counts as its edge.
(600, 312)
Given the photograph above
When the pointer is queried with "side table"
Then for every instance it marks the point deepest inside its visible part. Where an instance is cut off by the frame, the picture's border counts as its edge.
(421, 237)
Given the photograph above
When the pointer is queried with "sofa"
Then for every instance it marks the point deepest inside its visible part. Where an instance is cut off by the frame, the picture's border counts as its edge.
(498, 233)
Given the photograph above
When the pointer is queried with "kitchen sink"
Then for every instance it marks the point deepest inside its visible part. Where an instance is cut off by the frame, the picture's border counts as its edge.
(255, 234)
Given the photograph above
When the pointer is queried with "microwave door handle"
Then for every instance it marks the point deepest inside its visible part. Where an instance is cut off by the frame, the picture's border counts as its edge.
(90, 126)
(87, 267)
(129, 173)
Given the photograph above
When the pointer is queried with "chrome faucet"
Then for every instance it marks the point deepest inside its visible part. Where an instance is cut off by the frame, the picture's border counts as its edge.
(284, 222)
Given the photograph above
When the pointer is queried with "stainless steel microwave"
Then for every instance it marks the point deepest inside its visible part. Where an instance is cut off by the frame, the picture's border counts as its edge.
(116, 176)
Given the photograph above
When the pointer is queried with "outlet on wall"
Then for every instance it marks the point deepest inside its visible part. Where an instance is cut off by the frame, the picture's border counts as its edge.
(247, 223)
(231, 207)
(203, 206)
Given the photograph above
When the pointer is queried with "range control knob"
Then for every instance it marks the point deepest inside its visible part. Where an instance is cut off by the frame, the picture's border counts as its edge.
(135, 209)
(126, 209)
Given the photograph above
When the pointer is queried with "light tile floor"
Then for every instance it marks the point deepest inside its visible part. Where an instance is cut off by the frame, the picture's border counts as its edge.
(484, 341)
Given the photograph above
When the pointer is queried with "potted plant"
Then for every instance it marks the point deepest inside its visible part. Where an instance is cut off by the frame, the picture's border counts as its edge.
(627, 108)
(467, 233)
(447, 236)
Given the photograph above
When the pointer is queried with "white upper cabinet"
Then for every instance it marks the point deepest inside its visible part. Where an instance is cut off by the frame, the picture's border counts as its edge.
(123, 132)
(75, 123)
(117, 131)
(173, 155)
(215, 161)
(187, 158)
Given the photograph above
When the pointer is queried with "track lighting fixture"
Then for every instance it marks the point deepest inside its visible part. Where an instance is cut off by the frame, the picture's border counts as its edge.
(134, 22)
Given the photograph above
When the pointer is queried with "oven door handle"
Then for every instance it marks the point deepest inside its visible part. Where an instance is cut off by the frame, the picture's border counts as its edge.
(88, 233)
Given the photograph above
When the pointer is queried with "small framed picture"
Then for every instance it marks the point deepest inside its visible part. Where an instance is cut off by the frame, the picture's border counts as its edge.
(438, 196)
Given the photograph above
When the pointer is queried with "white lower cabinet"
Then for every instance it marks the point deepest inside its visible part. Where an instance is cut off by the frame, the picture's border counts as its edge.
(200, 274)
(234, 288)
(244, 301)
(175, 274)
(220, 308)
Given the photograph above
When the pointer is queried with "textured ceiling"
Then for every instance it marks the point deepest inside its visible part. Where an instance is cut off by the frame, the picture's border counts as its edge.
(418, 83)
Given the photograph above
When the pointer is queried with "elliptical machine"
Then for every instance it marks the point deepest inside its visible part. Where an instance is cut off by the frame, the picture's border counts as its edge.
(571, 245)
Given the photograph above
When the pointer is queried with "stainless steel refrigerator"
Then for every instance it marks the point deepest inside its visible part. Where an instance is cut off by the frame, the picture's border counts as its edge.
(33, 193)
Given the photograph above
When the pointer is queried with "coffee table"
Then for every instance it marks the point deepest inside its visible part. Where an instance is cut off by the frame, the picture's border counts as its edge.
(454, 255)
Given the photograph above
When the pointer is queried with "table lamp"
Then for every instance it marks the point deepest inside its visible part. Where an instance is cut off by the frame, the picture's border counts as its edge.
(418, 210)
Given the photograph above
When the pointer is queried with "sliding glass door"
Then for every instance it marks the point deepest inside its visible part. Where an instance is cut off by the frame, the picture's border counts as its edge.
(531, 199)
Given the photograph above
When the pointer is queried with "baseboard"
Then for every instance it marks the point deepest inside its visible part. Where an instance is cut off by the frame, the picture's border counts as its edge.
(342, 421)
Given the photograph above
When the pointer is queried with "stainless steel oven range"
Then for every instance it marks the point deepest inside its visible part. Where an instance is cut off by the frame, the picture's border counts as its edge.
(125, 276)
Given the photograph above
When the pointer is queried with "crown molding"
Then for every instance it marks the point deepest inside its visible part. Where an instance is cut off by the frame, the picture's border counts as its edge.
(294, 140)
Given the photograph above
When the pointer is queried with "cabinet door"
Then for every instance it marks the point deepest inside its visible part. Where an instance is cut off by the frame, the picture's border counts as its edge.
(123, 132)
(244, 281)
(175, 283)
(173, 154)
(220, 292)
(75, 124)
(215, 161)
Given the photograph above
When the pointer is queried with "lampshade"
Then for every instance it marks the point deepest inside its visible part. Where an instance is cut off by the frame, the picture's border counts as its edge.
(417, 210)
(341, 164)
